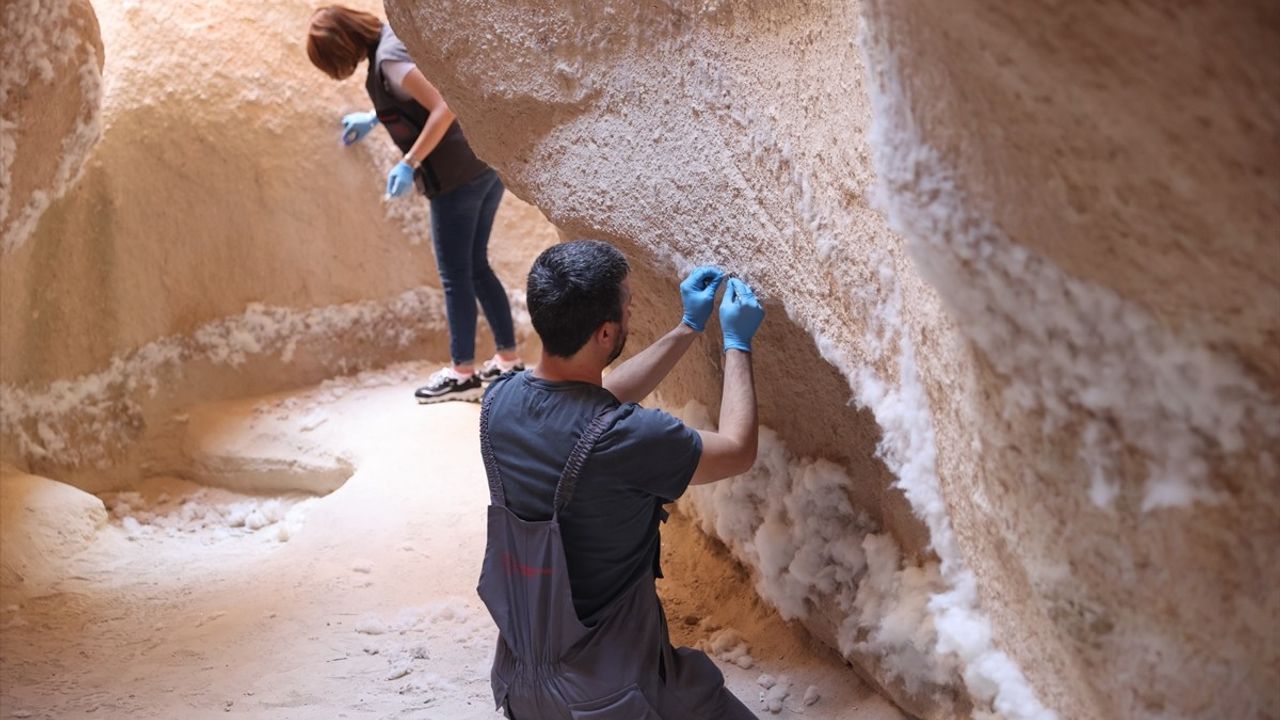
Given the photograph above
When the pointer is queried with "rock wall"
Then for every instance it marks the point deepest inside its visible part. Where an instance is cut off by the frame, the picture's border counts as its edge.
(220, 241)
(1095, 194)
(50, 97)
(43, 524)
(1021, 270)
(1020, 264)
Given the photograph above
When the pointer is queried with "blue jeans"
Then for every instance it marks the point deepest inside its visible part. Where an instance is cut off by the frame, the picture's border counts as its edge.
(460, 223)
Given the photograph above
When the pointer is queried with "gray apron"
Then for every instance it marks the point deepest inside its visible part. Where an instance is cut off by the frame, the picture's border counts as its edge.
(549, 665)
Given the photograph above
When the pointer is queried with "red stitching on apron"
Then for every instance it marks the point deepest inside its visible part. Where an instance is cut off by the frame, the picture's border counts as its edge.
(515, 567)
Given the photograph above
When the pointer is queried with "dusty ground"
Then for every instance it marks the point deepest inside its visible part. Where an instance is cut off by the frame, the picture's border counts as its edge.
(357, 604)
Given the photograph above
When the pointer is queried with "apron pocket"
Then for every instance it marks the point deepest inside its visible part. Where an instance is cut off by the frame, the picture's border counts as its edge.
(627, 704)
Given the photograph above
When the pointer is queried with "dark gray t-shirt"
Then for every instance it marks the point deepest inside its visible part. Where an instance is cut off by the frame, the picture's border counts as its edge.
(610, 528)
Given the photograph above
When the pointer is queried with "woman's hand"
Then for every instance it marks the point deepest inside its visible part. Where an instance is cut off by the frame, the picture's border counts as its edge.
(356, 125)
(399, 180)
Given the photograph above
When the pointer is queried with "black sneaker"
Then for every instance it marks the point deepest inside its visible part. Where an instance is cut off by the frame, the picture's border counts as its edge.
(444, 385)
(491, 370)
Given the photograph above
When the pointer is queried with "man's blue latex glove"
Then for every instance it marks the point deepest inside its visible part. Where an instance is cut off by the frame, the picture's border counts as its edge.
(400, 179)
(740, 315)
(356, 125)
(698, 293)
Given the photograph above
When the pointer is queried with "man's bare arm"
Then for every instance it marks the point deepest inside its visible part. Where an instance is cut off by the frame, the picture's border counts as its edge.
(731, 450)
(639, 375)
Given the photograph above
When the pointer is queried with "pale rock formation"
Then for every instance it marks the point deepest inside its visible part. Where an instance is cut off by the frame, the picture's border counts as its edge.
(50, 96)
(43, 523)
(294, 458)
(1095, 193)
(1020, 265)
(1021, 271)
(220, 240)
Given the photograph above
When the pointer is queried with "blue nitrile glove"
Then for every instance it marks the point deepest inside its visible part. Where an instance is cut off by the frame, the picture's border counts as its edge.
(740, 315)
(698, 293)
(400, 179)
(356, 125)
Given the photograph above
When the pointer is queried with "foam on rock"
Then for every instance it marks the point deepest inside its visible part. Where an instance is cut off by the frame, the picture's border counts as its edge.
(1059, 361)
(1018, 263)
(216, 241)
(50, 101)
(790, 520)
(180, 508)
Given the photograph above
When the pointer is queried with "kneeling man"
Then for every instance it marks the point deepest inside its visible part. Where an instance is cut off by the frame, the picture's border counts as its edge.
(578, 474)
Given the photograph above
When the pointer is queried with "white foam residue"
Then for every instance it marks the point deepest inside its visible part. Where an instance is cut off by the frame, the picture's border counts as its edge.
(922, 621)
(892, 608)
(36, 39)
(79, 421)
(727, 645)
(773, 698)
(791, 519)
(1068, 348)
(451, 617)
(208, 513)
(907, 447)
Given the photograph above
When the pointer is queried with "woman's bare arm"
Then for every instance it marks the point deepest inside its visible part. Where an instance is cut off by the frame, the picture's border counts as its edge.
(438, 122)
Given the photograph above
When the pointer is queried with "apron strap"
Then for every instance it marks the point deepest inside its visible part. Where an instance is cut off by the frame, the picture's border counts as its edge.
(496, 495)
(578, 458)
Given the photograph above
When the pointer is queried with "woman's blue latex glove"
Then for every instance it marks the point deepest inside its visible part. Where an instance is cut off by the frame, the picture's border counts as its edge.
(356, 125)
(400, 179)
(698, 293)
(740, 315)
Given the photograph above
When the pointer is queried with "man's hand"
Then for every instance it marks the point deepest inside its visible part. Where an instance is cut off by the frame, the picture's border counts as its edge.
(698, 293)
(399, 180)
(740, 316)
(356, 125)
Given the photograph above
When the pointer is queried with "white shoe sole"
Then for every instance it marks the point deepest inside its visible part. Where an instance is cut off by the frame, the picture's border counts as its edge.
(472, 395)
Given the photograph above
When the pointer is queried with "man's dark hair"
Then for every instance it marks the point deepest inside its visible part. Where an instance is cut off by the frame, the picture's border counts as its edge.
(573, 288)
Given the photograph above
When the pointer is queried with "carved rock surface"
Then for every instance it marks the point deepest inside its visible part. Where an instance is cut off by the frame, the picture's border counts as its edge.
(50, 97)
(1021, 273)
(45, 524)
(220, 240)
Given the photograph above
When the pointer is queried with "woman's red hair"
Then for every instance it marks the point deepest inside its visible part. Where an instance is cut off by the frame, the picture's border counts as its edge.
(339, 39)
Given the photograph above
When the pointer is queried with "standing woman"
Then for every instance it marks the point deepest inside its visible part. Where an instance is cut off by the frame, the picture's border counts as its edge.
(463, 190)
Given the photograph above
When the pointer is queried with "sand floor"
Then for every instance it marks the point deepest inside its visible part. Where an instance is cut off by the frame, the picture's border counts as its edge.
(357, 604)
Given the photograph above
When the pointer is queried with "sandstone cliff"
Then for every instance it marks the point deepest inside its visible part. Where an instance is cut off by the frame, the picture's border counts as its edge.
(1022, 276)
(1020, 370)
(219, 240)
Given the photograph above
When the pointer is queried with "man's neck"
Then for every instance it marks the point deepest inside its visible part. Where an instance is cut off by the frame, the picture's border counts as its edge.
(558, 369)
